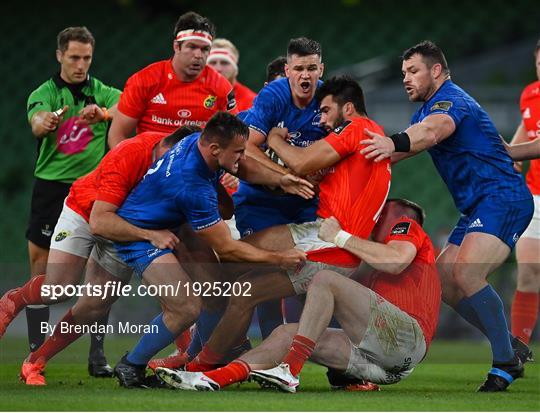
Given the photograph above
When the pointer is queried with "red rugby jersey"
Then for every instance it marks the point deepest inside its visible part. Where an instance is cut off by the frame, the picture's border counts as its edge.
(353, 190)
(163, 103)
(417, 290)
(116, 175)
(530, 113)
(244, 96)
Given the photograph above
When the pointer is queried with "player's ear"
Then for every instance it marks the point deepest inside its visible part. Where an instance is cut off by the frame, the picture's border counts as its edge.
(348, 109)
(215, 149)
(436, 70)
(321, 70)
(176, 46)
(286, 67)
(59, 55)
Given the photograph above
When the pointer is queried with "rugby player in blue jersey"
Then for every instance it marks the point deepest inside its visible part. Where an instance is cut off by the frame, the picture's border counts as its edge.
(181, 188)
(495, 204)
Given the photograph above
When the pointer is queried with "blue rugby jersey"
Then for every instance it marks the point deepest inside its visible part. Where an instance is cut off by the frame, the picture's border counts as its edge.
(472, 161)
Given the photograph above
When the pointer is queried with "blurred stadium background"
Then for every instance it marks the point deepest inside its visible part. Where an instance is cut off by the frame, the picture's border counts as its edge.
(488, 45)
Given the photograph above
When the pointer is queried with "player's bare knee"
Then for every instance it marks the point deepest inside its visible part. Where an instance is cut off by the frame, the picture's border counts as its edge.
(284, 334)
(323, 279)
(528, 279)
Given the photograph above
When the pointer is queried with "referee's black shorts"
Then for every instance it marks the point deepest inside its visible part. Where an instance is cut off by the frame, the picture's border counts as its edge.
(47, 202)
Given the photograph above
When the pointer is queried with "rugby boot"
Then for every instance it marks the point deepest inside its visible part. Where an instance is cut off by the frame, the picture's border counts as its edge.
(502, 375)
(33, 374)
(129, 374)
(98, 366)
(522, 350)
(186, 380)
(174, 361)
(279, 377)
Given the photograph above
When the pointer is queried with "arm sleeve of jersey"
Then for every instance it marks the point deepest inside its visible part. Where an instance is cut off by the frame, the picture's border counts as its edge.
(38, 100)
(200, 207)
(111, 95)
(134, 97)
(407, 230)
(261, 116)
(456, 108)
(117, 177)
(343, 140)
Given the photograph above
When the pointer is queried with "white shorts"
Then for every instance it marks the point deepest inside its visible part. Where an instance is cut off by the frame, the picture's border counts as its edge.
(533, 230)
(72, 235)
(391, 348)
(306, 238)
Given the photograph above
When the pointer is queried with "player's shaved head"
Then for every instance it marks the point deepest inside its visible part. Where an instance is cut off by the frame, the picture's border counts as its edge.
(223, 128)
(408, 208)
(431, 54)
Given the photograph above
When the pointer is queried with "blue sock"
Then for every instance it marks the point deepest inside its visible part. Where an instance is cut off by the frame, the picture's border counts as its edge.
(465, 310)
(205, 325)
(270, 316)
(490, 311)
(151, 343)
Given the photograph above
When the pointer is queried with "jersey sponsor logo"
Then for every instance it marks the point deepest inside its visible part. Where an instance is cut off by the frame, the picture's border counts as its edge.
(72, 138)
(476, 224)
(316, 120)
(401, 228)
(342, 127)
(442, 105)
(159, 99)
(210, 101)
(62, 235)
(177, 122)
(184, 113)
(231, 100)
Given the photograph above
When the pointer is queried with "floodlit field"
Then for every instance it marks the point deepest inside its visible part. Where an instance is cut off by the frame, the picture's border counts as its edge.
(446, 380)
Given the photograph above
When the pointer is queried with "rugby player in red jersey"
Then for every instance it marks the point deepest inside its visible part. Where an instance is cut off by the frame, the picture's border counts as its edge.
(526, 300)
(353, 190)
(180, 91)
(89, 210)
(387, 326)
(224, 58)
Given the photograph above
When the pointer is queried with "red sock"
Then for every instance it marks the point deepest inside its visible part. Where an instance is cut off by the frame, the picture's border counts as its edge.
(234, 372)
(301, 349)
(182, 341)
(524, 315)
(29, 293)
(58, 341)
(206, 360)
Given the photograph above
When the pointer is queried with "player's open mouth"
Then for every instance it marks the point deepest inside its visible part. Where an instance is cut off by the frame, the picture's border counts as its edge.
(305, 86)
(409, 89)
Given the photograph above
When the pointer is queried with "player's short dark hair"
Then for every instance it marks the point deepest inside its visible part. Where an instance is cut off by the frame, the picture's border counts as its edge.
(276, 68)
(180, 134)
(194, 21)
(222, 128)
(431, 54)
(74, 34)
(343, 89)
(410, 209)
(302, 46)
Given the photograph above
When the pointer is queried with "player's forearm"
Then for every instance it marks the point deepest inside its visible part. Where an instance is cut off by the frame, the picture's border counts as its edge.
(239, 251)
(525, 151)
(382, 257)
(255, 172)
(225, 203)
(295, 158)
(255, 152)
(38, 128)
(422, 136)
(111, 226)
(520, 135)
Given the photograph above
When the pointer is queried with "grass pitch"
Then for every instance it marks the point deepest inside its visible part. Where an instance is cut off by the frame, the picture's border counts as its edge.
(445, 381)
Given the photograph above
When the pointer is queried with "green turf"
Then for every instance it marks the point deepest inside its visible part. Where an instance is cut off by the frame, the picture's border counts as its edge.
(445, 381)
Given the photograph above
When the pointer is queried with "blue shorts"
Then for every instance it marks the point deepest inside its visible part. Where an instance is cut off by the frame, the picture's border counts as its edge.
(139, 255)
(506, 220)
(254, 218)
